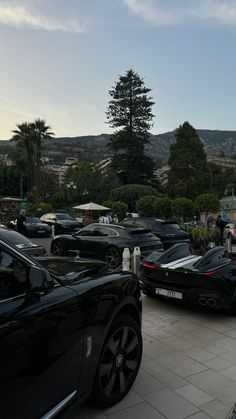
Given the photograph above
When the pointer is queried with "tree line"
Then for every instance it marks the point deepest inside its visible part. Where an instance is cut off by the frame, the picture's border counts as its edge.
(129, 114)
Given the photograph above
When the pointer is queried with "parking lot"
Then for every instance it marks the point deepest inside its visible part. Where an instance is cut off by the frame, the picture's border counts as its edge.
(188, 368)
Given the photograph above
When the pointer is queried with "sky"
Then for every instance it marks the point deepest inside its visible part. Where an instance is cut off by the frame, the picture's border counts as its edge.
(60, 58)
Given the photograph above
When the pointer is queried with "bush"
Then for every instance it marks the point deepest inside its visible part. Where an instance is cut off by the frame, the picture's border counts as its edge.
(163, 207)
(146, 205)
(120, 209)
(130, 194)
(183, 208)
(39, 209)
(203, 235)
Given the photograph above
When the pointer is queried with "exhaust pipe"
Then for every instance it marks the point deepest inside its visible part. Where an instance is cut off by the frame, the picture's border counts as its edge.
(211, 302)
(203, 301)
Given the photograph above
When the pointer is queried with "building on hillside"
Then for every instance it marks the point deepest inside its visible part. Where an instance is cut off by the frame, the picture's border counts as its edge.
(60, 171)
(224, 162)
(162, 174)
(5, 160)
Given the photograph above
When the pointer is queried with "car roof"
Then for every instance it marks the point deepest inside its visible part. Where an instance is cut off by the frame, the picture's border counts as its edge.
(116, 226)
(159, 220)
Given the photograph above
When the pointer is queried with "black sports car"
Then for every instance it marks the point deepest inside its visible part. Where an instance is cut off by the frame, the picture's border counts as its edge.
(106, 242)
(34, 227)
(66, 332)
(62, 223)
(208, 280)
(22, 242)
(168, 232)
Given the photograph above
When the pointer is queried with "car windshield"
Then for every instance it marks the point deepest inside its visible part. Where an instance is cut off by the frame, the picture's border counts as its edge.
(64, 217)
(13, 237)
(170, 227)
(33, 220)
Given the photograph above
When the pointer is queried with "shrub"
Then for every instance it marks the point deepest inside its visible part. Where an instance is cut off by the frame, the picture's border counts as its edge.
(146, 205)
(120, 209)
(130, 194)
(163, 207)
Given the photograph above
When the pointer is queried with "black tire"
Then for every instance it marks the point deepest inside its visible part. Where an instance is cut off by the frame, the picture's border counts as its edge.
(58, 249)
(112, 257)
(119, 362)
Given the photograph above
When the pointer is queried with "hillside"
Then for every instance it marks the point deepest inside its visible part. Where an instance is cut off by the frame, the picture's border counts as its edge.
(94, 148)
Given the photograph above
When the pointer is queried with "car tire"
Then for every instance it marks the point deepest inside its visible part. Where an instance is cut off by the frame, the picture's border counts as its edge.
(58, 248)
(119, 362)
(112, 257)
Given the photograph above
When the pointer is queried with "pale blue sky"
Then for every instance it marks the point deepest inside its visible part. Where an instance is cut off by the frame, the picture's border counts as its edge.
(59, 58)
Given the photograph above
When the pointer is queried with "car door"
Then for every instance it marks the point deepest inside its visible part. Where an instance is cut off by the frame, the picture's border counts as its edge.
(83, 241)
(41, 342)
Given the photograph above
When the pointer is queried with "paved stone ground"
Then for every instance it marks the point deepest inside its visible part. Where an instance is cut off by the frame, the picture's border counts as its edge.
(188, 368)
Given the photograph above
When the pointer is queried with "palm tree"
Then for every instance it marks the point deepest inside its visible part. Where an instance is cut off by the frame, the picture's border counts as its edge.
(29, 136)
(23, 136)
(41, 132)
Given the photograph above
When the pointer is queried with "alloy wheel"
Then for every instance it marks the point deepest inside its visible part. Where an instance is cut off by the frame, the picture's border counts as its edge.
(112, 257)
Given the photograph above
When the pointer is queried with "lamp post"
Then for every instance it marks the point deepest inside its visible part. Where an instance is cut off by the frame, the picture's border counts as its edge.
(85, 194)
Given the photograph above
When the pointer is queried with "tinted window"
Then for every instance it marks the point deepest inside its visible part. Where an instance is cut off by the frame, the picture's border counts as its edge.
(12, 276)
(167, 227)
(101, 231)
(64, 217)
(33, 220)
(13, 237)
(86, 231)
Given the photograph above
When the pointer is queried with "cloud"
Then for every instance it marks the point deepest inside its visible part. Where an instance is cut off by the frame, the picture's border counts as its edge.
(169, 12)
(21, 15)
(150, 12)
(223, 11)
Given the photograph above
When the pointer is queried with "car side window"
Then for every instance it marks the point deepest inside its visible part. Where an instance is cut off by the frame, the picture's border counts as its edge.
(13, 274)
(86, 232)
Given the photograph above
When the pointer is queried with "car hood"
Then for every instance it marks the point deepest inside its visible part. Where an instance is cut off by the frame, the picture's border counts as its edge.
(70, 269)
(70, 222)
(41, 225)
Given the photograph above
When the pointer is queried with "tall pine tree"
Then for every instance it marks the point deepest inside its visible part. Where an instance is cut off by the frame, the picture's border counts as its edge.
(189, 174)
(130, 114)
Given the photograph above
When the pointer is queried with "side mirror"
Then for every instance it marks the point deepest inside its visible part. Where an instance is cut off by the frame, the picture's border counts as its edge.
(40, 280)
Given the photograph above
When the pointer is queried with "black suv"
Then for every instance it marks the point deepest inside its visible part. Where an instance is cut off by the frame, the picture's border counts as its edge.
(68, 329)
(169, 232)
(63, 223)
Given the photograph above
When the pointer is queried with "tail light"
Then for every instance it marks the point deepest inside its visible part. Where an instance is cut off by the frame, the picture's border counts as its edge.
(148, 265)
(234, 230)
(210, 273)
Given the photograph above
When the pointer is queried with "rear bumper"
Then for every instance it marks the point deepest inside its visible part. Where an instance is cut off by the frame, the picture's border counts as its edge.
(194, 296)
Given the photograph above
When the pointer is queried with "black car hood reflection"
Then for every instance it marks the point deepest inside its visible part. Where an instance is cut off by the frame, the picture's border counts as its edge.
(70, 269)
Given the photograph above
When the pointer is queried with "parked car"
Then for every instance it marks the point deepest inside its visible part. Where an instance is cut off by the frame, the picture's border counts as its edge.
(63, 223)
(21, 242)
(168, 232)
(67, 331)
(34, 227)
(207, 280)
(230, 231)
(106, 242)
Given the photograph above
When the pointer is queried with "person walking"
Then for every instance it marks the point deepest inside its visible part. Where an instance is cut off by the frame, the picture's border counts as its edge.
(220, 224)
(104, 219)
(20, 222)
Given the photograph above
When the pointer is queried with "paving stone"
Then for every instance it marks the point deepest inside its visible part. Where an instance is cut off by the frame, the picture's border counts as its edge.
(131, 399)
(145, 383)
(194, 395)
(215, 409)
(218, 364)
(171, 380)
(152, 367)
(200, 415)
(177, 343)
(229, 344)
(140, 411)
(230, 372)
(85, 412)
(181, 364)
(170, 404)
(216, 385)
(199, 354)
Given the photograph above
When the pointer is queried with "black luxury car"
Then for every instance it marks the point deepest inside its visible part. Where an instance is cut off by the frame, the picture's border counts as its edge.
(63, 223)
(68, 329)
(168, 232)
(106, 242)
(22, 242)
(34, 227)
(208, 280)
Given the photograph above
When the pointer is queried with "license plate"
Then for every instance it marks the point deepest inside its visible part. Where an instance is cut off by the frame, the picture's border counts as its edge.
(169, 293)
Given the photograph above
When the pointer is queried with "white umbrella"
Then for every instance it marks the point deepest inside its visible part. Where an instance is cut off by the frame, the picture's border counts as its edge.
(91, 206)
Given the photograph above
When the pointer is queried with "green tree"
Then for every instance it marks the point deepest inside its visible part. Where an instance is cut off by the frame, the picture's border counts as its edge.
(131, 193)
(146, 205)
(163, 207)
(29, 137)
(183, 208)
(207, 203)
(129, 112)
(189, 174)
(120, 209)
